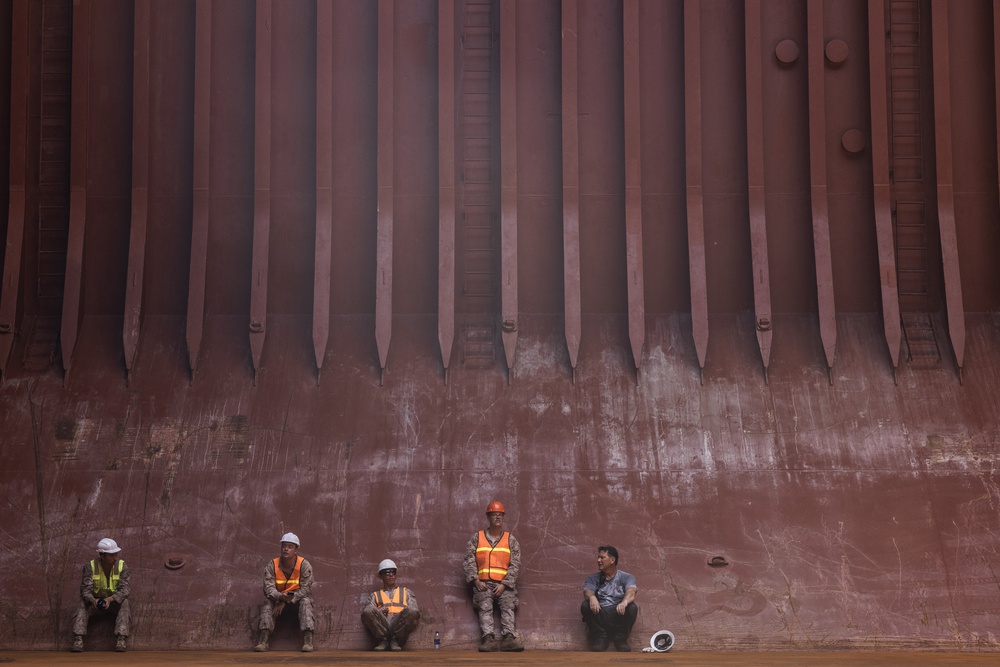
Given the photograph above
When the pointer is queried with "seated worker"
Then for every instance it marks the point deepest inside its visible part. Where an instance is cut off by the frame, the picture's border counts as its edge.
(608, 606)
(390, 613)
(287, 582)
(492, 564)
(104, 590)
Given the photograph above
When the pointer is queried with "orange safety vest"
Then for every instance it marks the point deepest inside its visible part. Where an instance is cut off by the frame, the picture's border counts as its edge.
(105, 586)
(291, 583)
(493, 561)
(396, 601)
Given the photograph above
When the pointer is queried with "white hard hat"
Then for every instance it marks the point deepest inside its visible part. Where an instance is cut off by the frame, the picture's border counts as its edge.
(108, 546)
(661, 641)
(386, 565)
(291, 537)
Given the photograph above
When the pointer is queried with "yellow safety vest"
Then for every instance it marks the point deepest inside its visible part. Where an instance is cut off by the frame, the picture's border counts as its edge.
(493, 561)
(104, 586)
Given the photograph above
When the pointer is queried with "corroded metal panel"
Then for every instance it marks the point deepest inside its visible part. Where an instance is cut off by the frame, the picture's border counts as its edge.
(758, 513)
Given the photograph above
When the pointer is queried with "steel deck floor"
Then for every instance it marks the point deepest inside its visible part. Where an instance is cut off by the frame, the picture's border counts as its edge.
(458, 658)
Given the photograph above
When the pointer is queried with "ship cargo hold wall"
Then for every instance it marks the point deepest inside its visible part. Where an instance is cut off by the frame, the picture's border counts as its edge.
(711, 281)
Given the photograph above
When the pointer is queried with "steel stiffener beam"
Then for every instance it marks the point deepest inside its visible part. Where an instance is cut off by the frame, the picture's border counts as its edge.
(446, 180)
(324, 182)
(571, 180)
(201, 193)
(693, 172)
(633, 181)
(818, 181)
(140, 181)
(946, 181)
(757, 194)
(877, 68)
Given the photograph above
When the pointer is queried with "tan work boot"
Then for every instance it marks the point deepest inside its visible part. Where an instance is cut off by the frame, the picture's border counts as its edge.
(262, 644)
(510, 643)
(307, 642)
(77, 644)
(120, 644)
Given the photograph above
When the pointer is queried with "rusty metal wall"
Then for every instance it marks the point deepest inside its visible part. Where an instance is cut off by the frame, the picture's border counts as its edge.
(711, 281)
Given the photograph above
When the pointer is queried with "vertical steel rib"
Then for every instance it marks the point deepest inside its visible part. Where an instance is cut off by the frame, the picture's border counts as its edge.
(446, 179)
(945, 180)
(693, 173)
(756, 192)
(324, 182)
(818, 189)
(996, 72)
(78, 168)
(262, 184)
(140, 182)
(877, 68)
(633, 181)
(200, 186)
(385, 173)
(571, 180)
(20, 64)
(508, 182)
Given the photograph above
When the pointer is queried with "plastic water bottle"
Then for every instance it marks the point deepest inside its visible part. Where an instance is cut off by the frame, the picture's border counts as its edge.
(437, 640)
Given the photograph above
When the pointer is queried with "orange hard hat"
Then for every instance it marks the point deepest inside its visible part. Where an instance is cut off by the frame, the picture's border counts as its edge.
(495, 506)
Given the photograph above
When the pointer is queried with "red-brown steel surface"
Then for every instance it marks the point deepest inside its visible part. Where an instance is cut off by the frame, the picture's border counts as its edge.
(201, 186)
(593, 186)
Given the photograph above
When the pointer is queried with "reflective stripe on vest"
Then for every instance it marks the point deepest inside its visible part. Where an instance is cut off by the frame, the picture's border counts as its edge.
(102, 586)
(291, 583)
(392, 601)
(493, 561)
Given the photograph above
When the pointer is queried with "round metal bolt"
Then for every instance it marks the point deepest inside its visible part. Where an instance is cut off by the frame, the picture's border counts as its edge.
(854, 141)
(836, 51)
(787, 51)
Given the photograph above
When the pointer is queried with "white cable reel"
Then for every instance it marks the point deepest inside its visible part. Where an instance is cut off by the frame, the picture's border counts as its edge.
(660, 642)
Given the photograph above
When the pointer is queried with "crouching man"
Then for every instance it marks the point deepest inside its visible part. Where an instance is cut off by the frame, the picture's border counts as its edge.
(390, 613)
(288, 583)
(608, 607)
(104, 590)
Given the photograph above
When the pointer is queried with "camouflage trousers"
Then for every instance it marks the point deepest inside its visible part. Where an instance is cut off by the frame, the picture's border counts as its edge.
(398, 626)
(484, 601)
(121, 611)
(307, 621)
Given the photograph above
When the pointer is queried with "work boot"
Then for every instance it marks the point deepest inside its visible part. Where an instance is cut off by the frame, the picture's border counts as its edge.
(77, 644)
(262, 644)
(394, 645)
(307, 642)
(382, 645)
(510, 643)
(120, 644)
(621, 644)
(599, 643)
(488, 643)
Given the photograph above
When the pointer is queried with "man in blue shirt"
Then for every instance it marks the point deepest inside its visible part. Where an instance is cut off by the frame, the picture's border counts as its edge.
(608, 603)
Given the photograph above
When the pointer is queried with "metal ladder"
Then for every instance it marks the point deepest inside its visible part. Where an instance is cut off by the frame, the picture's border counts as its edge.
(908, 185)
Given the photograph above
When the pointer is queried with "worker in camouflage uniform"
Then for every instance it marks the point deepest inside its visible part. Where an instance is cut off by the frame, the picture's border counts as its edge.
(492, 563)
(104, 589)
(391, 613)
(287, 583)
